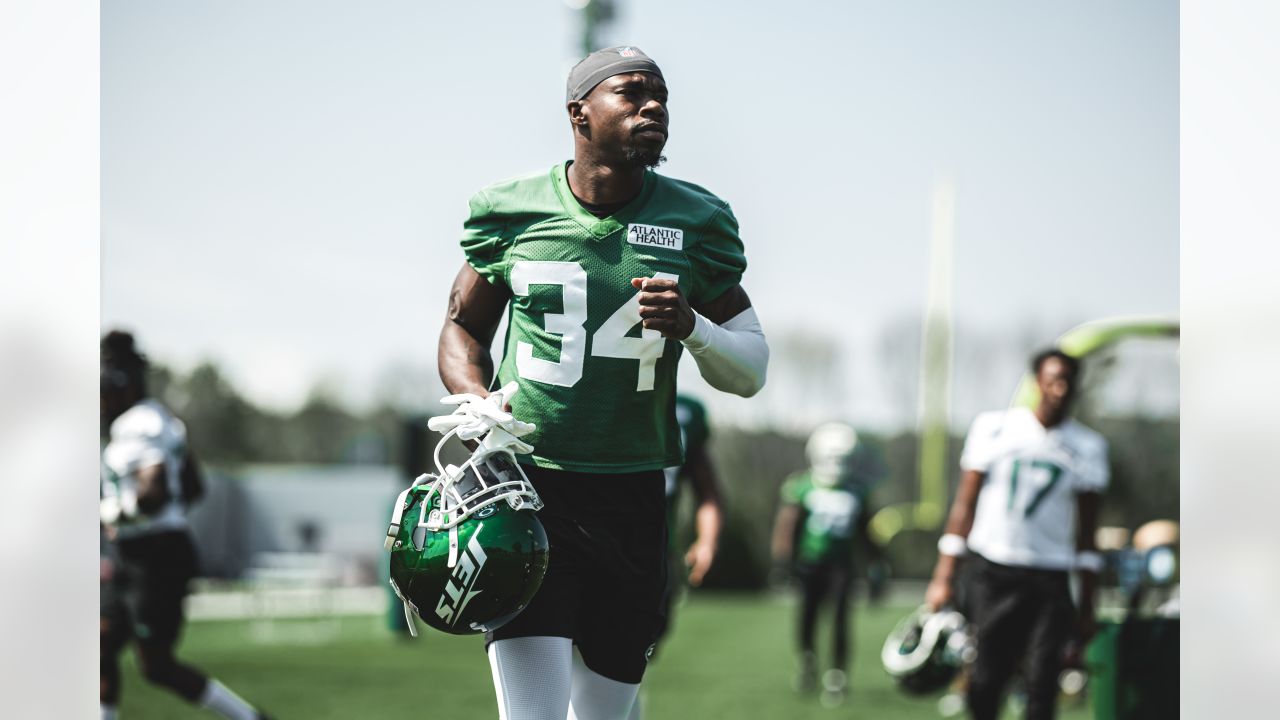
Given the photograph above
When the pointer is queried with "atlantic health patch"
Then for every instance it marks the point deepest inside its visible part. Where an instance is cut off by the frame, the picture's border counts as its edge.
(655, 236)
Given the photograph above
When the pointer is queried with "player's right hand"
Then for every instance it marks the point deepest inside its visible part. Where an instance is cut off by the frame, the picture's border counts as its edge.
(698, 559)
(663, 307)
(938, 594)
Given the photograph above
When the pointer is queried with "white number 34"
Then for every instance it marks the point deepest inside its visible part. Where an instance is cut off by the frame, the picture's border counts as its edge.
(609, 341)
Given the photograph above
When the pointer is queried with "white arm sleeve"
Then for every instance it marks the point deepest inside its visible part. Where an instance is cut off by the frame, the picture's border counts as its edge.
(732, 357)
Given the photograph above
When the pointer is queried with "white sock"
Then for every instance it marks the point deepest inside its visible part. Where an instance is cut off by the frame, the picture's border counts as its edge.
(109, 712)
(596, 697)
(219, 699)
(531, 676)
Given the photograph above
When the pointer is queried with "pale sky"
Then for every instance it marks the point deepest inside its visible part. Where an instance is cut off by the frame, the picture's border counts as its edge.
(283, 183)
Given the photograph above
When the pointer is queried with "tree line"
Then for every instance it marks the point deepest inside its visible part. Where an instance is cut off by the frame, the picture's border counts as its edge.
(226, 429)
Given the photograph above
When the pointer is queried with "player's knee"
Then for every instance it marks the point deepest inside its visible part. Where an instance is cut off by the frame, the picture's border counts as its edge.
(158, 670)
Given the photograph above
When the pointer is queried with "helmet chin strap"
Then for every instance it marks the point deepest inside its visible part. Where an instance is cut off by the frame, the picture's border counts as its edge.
(408, 608)
(408, 619)
(402, 504)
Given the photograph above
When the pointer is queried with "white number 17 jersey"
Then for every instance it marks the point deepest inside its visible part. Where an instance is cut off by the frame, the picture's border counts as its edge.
(1026, 513)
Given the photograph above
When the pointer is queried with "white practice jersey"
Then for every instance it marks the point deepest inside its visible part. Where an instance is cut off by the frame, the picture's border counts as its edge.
(1026, 513)
(144, 435)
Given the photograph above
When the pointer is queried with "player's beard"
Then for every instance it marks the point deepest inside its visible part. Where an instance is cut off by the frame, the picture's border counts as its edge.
(644, 157)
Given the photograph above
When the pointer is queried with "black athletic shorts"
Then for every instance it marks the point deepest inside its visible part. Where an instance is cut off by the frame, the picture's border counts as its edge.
(608, 568)
(144, 596)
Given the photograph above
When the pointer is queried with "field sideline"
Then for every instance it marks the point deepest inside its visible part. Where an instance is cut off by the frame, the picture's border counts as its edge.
(729, 657)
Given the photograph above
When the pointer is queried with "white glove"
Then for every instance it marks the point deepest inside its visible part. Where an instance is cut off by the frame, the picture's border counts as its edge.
(476, 416)
(500, 439)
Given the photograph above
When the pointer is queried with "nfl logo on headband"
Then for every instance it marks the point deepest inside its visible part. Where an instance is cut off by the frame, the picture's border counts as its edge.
(627, 52)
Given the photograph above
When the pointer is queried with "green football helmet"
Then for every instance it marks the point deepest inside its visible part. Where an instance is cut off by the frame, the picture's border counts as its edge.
(467, 550)
(927, 649)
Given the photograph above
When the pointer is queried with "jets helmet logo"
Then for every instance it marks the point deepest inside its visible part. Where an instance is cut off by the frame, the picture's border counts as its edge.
(458, 592)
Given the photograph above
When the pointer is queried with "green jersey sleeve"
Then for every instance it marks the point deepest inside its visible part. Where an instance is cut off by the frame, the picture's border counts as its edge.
(484, 240)
(718, 259)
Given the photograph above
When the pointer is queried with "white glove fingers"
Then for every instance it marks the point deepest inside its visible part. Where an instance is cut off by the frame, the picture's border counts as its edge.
(445, 423)
(509, 390)
(471, 432)
(518, 428)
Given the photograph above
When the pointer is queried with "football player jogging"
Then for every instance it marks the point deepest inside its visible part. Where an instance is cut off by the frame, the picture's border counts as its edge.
(823, 512)
(1025, 514)
(607, 272)
(148, 479)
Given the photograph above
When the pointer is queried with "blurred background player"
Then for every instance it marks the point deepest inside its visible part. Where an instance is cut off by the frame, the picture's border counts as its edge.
(584, 254)
(1026, 511)
(149, 478)
(823, 512)
(700, 474)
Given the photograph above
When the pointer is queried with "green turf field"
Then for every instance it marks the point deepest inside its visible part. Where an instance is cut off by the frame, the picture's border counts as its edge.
(729, 657)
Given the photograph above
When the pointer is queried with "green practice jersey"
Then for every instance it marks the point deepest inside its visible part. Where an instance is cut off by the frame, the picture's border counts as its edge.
(691, 417)
(600, 388)
(829, 517)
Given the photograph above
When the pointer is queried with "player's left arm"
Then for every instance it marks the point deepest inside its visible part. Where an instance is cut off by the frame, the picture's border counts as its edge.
(785, 524)
(723, 335)
(708, 518)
